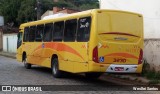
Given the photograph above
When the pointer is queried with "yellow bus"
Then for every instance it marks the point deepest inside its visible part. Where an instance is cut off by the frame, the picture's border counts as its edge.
(91, 42)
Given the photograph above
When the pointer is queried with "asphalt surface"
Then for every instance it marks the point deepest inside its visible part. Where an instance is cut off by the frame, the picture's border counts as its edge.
(14, 73)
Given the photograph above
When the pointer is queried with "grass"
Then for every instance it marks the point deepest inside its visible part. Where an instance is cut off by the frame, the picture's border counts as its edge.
(152, 82)
(150, 74)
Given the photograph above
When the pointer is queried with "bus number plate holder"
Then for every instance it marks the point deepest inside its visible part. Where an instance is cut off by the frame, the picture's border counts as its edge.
(119, 68)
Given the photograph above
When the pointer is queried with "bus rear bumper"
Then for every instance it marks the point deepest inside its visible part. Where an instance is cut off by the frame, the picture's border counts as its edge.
(115, 68)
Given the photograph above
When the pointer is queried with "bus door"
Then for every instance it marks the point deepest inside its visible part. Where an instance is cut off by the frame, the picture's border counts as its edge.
(19, 46)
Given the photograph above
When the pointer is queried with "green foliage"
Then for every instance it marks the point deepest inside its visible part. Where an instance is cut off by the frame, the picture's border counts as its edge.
(150, 74)
(20, 11)
(46, 5)
(81, 4)
(64, 4)
(153, 82)
(27, 11)
(9, 9)
(88, 6)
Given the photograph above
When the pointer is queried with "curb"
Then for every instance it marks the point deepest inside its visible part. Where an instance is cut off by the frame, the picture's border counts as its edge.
(125, 79)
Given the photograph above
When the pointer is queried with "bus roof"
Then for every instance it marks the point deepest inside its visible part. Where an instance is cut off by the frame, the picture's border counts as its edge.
(73, 15)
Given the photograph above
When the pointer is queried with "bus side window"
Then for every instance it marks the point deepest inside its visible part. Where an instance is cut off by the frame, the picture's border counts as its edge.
(83, 33)
(32, 33)
(48, 32)
(58, 31)
(26, 33)
(39, 32)
(70, 30)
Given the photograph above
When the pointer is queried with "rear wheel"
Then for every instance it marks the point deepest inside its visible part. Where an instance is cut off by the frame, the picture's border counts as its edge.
(55, 68)
(93, 75)
(26, 65)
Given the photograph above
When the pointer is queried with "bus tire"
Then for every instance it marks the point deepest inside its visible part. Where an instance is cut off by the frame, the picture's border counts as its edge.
(93, 75)
(55, 68)
(26, 65)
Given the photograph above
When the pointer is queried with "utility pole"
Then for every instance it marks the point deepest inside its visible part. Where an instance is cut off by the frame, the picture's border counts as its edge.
(38, 8)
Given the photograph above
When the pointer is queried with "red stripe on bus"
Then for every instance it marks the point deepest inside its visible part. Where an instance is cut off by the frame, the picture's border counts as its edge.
(119, 33)
(126, 55)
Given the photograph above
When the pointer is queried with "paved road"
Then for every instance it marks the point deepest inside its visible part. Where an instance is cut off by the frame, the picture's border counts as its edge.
(13, 73)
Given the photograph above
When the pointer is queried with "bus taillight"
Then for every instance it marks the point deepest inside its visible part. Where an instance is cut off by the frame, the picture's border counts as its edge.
(140, 57)
(95, 54)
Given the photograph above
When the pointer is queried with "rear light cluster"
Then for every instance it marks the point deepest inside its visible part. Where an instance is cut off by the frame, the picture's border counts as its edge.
(95, 55)
(140, 57)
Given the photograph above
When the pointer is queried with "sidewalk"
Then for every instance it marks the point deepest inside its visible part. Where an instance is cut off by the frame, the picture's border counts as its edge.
(11, 55)
(131, 79)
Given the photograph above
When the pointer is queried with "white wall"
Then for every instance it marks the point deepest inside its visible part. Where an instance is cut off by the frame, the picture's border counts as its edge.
(149, 8)
(152, 53)
(10, 43)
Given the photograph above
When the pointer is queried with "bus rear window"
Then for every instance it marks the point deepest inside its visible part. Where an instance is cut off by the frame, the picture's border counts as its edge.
(83, 33)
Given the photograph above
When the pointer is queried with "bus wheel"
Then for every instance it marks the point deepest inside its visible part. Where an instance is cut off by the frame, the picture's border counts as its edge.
(93, 75)
(55, 69)
(26, 65)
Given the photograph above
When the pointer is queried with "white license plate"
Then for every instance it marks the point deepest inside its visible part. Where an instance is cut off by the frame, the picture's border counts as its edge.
(119, 68)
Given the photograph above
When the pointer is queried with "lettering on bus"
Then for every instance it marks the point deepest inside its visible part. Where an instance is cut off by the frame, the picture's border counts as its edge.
(119, 60)
(102, 46)
(83, 46)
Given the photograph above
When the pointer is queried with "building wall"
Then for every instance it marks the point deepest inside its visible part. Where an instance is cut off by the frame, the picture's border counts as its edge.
(10, 43)
(1, 40)
(149, 8)
(152, 53)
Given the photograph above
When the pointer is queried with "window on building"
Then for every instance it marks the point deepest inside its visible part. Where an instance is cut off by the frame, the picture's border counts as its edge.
(32, 33)
(84, 25)
(70, 30)
(39, 32)
(26, 33)
(48, 32)
(58, 31)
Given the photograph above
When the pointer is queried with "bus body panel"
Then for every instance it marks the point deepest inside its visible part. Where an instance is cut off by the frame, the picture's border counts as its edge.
(117, 36)
(119, 41)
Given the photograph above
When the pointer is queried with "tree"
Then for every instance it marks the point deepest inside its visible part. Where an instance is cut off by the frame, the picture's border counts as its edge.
(9, 9)
(64, 4)
(20, 11)
(27, 11)
(84, 4)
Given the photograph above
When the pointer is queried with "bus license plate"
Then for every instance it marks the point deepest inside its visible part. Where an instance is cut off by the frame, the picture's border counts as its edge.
(119, 68)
